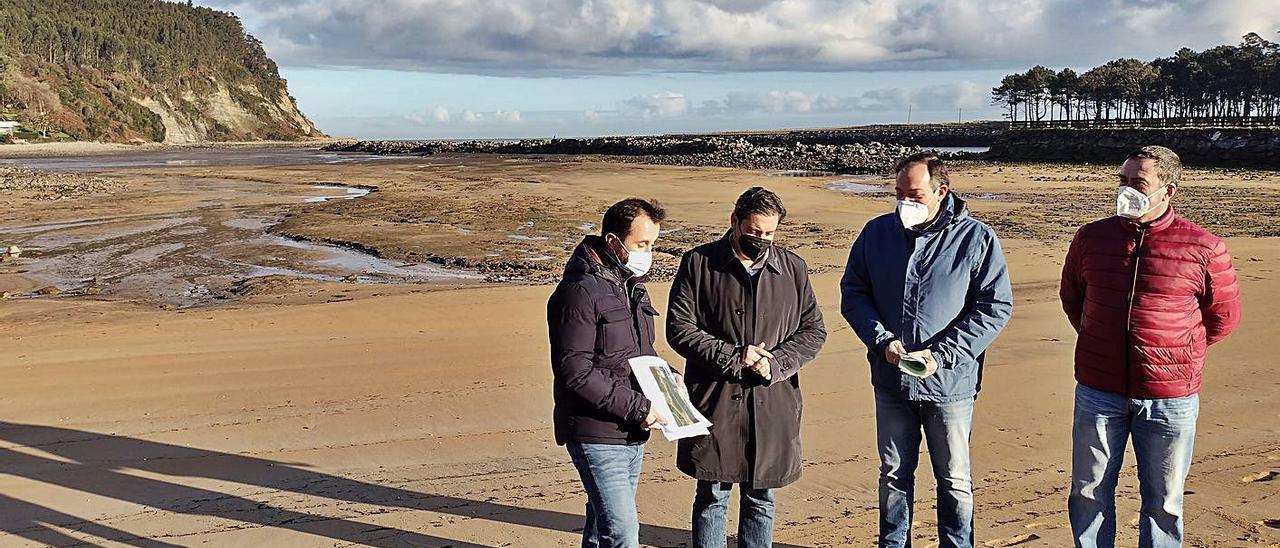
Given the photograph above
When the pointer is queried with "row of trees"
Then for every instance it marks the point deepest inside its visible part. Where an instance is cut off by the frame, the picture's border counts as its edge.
(1241, 80)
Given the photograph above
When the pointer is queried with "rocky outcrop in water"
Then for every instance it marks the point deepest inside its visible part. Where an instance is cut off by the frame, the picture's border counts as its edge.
(711, 151)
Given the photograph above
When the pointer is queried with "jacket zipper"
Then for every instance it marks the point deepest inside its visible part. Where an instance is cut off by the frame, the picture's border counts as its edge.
(1128, 322)
(634, 301)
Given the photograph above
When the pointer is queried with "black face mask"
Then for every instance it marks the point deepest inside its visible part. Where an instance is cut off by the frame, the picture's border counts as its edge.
(753, 247)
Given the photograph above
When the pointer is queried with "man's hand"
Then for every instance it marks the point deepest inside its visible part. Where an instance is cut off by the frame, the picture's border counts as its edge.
(894, 352)
(756, 359)
(684, 390)
(930, 364)
(654, 421)
(753, 354)
(764, 368)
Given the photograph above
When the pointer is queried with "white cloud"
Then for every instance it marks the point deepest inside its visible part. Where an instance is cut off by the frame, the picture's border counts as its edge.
(470, 117)
(613, 36)
(661, 105)
(963, 94)
(507, 116)
(949, 97)
(440, 114)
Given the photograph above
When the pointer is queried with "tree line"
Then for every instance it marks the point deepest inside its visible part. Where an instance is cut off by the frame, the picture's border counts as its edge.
(1224, 81)
(164, 43)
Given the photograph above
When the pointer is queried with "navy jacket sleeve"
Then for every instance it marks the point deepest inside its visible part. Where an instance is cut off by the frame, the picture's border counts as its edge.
(857, 301)
(571, 320)
(989, 308)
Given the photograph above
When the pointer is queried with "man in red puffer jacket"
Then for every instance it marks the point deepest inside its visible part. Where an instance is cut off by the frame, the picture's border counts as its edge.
(1147, 292)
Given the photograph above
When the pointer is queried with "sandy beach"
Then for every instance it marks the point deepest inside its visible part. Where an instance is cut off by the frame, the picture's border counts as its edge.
(206, 375)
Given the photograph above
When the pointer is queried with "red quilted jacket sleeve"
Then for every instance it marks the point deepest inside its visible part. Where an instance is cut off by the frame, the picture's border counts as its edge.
(1220, 303)
(1071, 292)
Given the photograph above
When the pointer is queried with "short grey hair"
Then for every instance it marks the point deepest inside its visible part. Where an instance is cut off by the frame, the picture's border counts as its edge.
(1168, 164)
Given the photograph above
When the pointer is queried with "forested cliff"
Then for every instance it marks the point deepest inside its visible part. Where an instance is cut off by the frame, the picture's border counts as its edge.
(139, 70)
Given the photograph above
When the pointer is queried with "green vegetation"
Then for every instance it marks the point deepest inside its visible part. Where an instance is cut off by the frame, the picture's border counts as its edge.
(81, 68)
(1224, 81)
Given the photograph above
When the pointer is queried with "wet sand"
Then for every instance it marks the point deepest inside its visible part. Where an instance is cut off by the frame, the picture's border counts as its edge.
(309, 412)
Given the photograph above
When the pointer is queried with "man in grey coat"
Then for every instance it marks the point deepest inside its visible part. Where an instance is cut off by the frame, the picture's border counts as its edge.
(927, 282)
(743, 315)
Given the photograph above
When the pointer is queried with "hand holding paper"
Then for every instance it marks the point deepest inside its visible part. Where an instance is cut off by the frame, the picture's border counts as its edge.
(668, 399)
(919, 364)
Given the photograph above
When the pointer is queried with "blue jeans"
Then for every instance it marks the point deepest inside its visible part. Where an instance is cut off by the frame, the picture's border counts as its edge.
(946, 427)
(755, 515)
(610, 475)
(1163, 431)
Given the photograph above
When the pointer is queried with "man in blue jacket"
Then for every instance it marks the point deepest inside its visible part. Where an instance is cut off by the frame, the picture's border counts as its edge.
(927, 282)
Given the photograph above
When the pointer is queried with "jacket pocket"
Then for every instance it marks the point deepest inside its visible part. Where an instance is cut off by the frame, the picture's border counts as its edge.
(616, 330)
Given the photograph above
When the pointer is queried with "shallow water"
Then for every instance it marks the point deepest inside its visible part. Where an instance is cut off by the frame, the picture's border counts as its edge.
(801, 173)
(857, 187)
(368, 268)
(176, 257)
(350, 193)
(971, 150)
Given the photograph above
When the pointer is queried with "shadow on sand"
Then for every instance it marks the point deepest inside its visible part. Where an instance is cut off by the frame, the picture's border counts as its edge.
(94, 463)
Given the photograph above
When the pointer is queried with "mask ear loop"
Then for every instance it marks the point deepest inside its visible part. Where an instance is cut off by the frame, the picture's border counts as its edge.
(615, 252)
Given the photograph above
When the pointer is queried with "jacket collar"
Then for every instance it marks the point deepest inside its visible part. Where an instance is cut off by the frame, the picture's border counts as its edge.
(1158, 225)
(953, 209)
(725, 256)
(591, 257)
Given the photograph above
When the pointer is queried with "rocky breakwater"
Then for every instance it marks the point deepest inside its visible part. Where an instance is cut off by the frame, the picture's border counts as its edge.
(708, 151)
(1227, 147)
(968, 134)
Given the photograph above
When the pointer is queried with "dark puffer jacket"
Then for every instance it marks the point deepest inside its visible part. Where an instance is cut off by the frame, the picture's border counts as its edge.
(598, 319)
(1147, 301)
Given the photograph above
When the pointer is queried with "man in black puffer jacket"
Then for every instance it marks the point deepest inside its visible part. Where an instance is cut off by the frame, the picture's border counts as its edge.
(599, 317)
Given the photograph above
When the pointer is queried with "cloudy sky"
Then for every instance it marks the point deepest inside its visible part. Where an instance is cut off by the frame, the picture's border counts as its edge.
(521, 68)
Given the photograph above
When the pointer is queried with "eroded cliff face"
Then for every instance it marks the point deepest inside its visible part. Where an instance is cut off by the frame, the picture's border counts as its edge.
(218, 116)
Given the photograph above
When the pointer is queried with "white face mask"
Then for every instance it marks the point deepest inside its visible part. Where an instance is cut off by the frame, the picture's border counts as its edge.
(1131, 203)
(912, 213)
(639, 262)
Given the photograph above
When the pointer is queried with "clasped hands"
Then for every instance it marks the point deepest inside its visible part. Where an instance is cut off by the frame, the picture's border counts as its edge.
(757, 360)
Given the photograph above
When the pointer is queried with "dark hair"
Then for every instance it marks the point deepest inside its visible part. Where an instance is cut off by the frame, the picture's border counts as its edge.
(618, 219)
(758, 201)
(937, 170)
(1168, 165)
